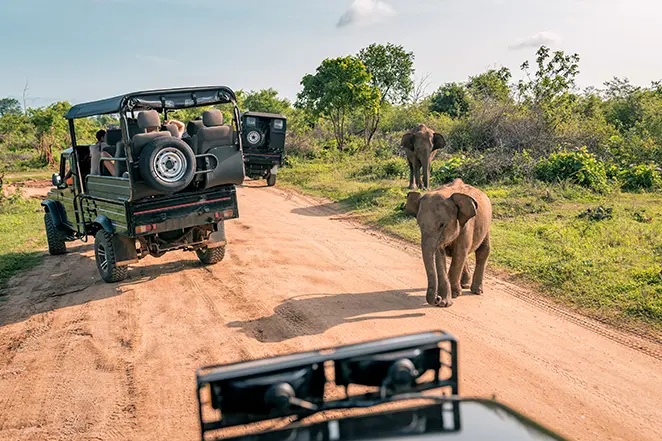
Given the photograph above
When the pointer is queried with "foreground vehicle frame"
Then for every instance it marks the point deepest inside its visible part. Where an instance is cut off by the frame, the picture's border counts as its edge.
(286, 390)
(131, 214)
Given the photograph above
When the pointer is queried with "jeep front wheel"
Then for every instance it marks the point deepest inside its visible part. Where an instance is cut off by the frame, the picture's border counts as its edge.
(104, 254)
(210, 256)
(56, 244)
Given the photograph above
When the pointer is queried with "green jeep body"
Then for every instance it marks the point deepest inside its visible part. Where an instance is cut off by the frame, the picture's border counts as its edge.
(128, 218)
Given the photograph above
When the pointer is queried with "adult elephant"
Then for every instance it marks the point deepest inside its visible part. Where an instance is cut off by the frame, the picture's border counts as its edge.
(420, 145)
(455, 221)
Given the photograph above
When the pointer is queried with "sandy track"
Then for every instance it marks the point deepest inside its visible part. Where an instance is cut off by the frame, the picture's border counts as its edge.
(84, 360)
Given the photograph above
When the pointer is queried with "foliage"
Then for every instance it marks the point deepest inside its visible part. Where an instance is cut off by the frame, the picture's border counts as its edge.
(549, 91)
(451, 99)
(490, 85)
(339, 86)
(641, 177)
(21, 226)
(578, 167)
(265, 100)
(9, 106)
(391, 69)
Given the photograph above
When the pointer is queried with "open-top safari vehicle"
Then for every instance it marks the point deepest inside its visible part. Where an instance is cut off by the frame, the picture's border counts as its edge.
(165, 192)
(376, 390)
(264, 144)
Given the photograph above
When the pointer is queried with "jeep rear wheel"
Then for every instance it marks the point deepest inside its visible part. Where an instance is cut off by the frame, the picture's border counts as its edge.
(210, 256)
(56, 244)
(271, 180)
(167, 164)
(104, 254)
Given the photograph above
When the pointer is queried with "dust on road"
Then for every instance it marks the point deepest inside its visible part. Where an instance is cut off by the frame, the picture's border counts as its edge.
(84, 360)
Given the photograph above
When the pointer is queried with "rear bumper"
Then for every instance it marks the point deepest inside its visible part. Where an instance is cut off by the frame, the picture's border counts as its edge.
(184, 212)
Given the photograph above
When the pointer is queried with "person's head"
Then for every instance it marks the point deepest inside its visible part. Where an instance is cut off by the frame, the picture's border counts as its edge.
(100, 135)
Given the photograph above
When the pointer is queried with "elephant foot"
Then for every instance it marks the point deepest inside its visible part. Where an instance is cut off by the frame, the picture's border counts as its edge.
(476, 291)
(466, 285)
(456, 293)
(443, 303)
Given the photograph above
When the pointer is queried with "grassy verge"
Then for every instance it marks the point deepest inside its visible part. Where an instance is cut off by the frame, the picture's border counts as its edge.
(21, 227)
(29, 175)
(605, 261)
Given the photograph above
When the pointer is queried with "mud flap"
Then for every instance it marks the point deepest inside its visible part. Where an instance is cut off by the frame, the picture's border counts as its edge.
(125, 250)
(274, 170)
(217, 238)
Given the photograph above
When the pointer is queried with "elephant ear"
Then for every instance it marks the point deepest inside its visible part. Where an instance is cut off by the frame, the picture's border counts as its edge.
(413, 202)
(408, 142)
(438, 142)
(466, 207)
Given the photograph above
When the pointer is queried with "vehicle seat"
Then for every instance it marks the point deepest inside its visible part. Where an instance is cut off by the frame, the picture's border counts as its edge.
(113, 136)
(192, 128)
(216, 139)
(213, 133)
(146, 120)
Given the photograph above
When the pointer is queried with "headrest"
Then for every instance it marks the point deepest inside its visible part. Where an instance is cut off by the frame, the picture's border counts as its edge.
(193, 126)
(212, 118)
(113, 136)
(172, 129)
(149, 118)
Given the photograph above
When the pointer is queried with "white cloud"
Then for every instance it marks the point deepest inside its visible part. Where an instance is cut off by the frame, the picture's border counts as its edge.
(365, 12)
(545, 38)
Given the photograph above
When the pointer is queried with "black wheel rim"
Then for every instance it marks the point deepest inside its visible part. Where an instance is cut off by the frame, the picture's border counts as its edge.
(102, 259)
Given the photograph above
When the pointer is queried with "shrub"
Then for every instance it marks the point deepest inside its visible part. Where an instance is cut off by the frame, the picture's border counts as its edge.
(579, 167)
(641, 177)
(395, 168)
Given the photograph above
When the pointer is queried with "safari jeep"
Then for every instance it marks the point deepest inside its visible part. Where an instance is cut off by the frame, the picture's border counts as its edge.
(263, 138)
(165, 192)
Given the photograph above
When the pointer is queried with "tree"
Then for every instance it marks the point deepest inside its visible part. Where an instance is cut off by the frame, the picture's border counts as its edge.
(265, 100)
(338, 86)
(10, 106)
(491, 85)
(391, 68)
(450, 99)
(550, 90)
(51, 129)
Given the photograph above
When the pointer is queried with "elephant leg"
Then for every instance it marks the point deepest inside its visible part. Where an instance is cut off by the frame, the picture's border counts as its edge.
(412, 186)
(417, 174)
(466, 277)
(444, 300)
(482, 253)
(455, 272)
(426, 175)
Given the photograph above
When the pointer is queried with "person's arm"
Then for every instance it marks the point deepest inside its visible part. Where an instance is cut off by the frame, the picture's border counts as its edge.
(180, 125)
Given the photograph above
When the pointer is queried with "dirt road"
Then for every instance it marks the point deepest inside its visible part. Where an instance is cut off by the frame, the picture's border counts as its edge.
(84, 360)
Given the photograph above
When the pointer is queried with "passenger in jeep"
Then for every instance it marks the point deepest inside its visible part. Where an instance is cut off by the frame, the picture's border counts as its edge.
(96, 152)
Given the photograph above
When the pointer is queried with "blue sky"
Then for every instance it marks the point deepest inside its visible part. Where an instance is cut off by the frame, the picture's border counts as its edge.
(79, 50)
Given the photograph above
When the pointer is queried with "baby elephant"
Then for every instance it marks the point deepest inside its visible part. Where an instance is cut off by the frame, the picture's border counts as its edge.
(454, 220)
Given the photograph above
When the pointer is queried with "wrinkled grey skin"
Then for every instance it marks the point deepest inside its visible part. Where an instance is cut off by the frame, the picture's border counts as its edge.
(420, 146)
(455, 221)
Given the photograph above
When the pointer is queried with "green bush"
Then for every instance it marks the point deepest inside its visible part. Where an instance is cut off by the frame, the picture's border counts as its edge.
(395, 168)
(579, 167)
(641, 177)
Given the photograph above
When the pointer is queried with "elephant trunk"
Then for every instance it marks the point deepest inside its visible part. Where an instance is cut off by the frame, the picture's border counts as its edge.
(429, 248)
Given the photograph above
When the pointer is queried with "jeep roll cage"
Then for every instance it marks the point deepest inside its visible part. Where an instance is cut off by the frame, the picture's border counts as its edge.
(161, 100)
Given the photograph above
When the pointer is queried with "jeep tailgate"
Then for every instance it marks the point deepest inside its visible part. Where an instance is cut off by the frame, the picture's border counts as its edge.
(183, 211)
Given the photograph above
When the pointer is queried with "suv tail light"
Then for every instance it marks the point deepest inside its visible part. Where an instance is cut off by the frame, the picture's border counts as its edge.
(145, 228)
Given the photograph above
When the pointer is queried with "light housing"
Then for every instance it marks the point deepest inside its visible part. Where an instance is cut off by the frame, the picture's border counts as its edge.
(278, 124)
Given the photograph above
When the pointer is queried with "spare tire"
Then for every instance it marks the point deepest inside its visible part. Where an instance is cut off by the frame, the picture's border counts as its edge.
(167, 164)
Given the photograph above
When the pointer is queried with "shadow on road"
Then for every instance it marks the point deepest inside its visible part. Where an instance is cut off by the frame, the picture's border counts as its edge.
(316, 313)
(323, 210)
(73, 279)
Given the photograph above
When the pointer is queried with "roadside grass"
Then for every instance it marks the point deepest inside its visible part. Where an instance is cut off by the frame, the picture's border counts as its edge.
(29, 175)
(21, 228)
(601, 254)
